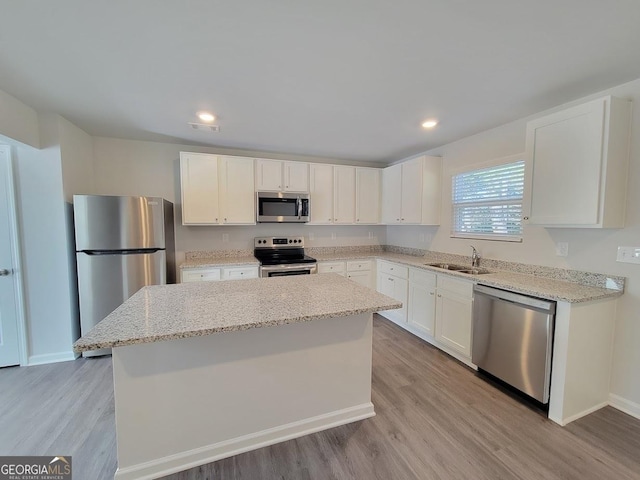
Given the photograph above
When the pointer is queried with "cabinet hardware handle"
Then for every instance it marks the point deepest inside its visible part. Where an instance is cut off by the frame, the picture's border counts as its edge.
(439, 295)
(525, 218)
(430, 293)
(402, 219)
(391, 279)
(397, 219)
(286, 186)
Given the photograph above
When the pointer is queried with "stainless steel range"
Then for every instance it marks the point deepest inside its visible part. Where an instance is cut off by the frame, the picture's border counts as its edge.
(282, 256)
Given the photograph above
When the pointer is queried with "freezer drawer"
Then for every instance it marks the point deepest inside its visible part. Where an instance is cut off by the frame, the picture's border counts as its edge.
(512, 339)
(105, 281)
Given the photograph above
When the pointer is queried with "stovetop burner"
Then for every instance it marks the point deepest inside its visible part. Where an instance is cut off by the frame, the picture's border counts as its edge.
(281, 251)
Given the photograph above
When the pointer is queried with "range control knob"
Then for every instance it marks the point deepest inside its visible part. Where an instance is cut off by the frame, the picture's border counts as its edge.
(290, 241)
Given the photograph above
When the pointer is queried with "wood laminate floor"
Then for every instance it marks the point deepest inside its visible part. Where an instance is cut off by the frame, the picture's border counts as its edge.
(436, 419)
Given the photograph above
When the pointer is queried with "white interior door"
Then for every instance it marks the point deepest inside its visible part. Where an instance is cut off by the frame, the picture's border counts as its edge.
(9, 350)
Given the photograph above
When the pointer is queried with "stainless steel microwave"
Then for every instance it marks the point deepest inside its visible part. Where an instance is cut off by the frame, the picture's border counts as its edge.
(280, 207)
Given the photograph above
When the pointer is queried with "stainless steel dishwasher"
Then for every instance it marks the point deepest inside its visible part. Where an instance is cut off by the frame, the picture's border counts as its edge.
(513, 339)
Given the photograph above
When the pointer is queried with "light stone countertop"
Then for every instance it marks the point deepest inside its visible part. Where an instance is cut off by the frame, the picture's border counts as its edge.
(212, 262)
(538, 286)
(167, 312)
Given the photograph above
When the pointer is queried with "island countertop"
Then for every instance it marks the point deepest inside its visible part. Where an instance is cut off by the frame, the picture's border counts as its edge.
(167, 312)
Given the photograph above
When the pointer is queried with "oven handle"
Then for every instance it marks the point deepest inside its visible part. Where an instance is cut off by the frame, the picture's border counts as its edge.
(312, 267)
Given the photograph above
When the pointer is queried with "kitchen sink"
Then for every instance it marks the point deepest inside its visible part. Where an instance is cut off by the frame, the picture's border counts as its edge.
(459, 268)
(447, 266)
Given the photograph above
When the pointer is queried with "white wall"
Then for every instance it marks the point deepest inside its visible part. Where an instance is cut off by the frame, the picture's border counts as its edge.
(129, 167)
(18, 121)
(589, 249)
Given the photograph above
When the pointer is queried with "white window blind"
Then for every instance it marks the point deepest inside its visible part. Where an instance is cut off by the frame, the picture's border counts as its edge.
(487, 203)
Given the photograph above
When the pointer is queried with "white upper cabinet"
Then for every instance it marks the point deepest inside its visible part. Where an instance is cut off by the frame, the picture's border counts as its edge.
(237, 193)
(411, 192)
(391, 197)
(577, 164)
(280, 176)
(344, 194)
(367, 195)
(321, 193)
(296, 177)
(199, 185)
(268, 175)
(217, 190)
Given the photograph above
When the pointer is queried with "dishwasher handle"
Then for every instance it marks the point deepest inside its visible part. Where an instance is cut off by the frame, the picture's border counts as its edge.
(546, 306)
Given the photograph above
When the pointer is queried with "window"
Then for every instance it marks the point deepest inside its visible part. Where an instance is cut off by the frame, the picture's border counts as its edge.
(487, 203)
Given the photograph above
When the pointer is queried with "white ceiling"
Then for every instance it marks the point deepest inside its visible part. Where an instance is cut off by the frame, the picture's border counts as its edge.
(348, 79)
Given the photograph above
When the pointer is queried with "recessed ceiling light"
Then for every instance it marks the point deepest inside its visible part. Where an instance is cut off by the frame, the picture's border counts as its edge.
(206, 117)
(429, 123)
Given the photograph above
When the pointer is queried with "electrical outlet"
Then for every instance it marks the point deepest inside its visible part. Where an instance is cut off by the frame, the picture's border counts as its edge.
(628, 255)
(333, 236)
(422, 238)
(225, 237)
(311, 236)
(370, 235)
(562, 249)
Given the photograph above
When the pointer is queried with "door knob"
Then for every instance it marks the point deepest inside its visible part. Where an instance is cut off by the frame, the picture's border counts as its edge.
(4, 272)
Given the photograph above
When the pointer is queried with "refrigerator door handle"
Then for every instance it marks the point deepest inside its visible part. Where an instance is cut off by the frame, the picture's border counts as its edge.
(121, 252)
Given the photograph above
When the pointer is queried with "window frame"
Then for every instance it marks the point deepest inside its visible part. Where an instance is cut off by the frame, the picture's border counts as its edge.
(481, 166)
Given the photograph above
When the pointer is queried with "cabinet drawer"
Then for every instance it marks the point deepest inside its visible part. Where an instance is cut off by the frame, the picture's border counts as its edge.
(394, 269)
(331, 267)
(461, 287)
(200, 275)
(356, 266)
(237, 273)
(422, 277)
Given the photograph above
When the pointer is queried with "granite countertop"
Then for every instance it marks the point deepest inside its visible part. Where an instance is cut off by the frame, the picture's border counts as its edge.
(525, 283)
(166, 312)
(219, 262)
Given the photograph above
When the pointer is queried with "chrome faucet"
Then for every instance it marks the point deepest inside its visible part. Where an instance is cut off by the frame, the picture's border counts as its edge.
(475, 257)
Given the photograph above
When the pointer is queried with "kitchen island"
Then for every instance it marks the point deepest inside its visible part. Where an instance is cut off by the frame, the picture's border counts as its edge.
(204, 371)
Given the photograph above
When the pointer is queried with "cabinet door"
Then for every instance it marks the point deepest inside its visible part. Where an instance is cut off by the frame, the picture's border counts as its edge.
(344, 194)
(332, 267)
(565, 164)
(268, 175)
(200, 275)
(321, 193)
(396, 288)
(421, 312)
(296, 177)
(454, 321)
(240, 273)
(391, 194)
(362, 277)
(367, 195)
(199, 183)
(411, 191)
(431, 190)
(237, 193)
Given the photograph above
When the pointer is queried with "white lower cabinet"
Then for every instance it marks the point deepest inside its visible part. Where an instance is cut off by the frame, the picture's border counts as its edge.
(332, 267)
(454, 310)
(216, 274)
(437, 308)
(422, 301)
(360, 271)
(393, 282)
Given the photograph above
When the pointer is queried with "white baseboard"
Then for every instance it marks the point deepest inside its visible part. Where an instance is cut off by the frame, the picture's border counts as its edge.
(211, 453)
(624, 405)
(565, 421)
(51, 358)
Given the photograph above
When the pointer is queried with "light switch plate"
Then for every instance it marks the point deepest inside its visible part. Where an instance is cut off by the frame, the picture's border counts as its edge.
(628, 255)
(562, 249)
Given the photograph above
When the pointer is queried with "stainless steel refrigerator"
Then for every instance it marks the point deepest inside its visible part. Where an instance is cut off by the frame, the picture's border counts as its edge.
(122, 245)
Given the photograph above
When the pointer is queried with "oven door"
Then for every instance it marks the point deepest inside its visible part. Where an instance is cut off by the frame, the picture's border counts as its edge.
(286, 270)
